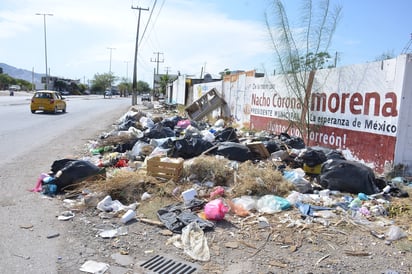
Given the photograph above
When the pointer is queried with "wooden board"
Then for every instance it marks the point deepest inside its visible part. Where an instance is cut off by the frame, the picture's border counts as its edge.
(259, 149)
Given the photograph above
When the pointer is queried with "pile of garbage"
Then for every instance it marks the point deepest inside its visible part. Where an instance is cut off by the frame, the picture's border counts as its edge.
(217, 170)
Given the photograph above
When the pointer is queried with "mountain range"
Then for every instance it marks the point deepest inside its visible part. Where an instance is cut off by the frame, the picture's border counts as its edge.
(23, 74)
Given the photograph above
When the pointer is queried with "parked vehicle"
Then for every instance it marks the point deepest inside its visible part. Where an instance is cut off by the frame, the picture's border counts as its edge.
(47, 101)
(108, 94)
(146, 97)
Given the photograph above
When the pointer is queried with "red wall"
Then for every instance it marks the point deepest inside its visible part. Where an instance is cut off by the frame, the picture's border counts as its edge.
(362, 145)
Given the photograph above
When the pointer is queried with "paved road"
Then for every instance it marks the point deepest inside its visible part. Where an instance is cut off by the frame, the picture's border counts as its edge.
(29, 143)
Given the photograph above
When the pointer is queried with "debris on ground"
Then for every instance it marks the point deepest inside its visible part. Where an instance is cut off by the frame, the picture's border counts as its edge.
(193, 178)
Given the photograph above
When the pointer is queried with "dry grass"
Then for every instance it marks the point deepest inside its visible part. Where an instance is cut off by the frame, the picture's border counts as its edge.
(128, 186)
(260, 179)
(209, 168)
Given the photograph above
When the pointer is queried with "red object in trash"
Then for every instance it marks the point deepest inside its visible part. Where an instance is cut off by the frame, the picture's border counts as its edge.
(121, 163)
(218, 192)
(215, 210)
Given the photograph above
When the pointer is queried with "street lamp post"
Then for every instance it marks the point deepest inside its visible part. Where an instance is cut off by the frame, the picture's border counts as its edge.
(110, 66)
(127, 71)
(45, 45)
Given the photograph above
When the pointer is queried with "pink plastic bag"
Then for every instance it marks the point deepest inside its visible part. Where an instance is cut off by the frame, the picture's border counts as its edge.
(183, 123)
(215, 210)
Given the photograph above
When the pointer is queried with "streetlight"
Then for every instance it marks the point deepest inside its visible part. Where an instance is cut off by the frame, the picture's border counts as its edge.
(45, 45)
(127, 71)
(110, 66)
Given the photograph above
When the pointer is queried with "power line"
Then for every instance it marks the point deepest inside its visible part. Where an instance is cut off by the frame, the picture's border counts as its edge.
(407, 46)
(148, 21)
(157, 16)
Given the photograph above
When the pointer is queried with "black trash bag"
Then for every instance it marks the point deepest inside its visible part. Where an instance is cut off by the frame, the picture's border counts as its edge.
(60, 164)
(126, 146)
(189, 148)
(348, 176)
(234, 151)
(159, 132)
(126, 125)
(312, 157)
(171, 122)
(292, 141)
(68, 172)
(272, 146)
(334, 154)
(227, 135)
(176, 216)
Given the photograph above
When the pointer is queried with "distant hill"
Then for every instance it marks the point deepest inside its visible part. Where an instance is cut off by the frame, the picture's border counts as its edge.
(22, 74)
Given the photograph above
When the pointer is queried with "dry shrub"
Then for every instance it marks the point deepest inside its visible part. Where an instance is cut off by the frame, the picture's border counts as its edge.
(209, 168)
(400, 210)
(128, 186)
(181, 110)
(157, 119)
(260, 179)
(114, 140)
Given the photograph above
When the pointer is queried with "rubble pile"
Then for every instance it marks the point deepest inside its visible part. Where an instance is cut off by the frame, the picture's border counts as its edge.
(211, 173)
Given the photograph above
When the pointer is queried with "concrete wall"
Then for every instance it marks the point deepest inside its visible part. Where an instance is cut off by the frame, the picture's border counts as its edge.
(403, 148)
(363, 110)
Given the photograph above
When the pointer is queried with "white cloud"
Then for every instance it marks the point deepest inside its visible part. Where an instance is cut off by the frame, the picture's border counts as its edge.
(189, 33)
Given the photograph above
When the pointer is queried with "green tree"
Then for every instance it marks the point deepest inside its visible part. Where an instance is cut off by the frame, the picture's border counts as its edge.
(164, 80)
(60, 85)
(125, 87)
(101, 82)
(143, 87)
(82, 88)
(6, 81)
(302, 49)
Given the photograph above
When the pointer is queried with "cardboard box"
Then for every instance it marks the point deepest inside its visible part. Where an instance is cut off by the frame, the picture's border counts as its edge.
(165, 167)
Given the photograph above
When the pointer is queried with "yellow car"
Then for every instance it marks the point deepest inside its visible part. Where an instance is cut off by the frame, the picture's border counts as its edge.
(47, 101)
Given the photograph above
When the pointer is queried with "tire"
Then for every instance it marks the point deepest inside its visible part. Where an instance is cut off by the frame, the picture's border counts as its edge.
(55, 110)
(64, 110)
(33, 111)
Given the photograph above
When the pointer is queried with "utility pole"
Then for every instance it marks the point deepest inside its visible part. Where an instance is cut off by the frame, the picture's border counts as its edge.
(157, 60)
(127, 71)
(134, 96)
(110, 62)
(126, 92)
(110, 67)
(167, 70)
(45, 45)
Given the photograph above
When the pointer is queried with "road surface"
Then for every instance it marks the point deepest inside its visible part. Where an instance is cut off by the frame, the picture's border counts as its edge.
(29, 143)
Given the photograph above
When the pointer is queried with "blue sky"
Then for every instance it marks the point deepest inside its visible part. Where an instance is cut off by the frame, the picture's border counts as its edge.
(190, 34)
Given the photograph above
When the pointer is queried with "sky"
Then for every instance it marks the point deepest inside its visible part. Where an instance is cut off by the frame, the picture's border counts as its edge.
(190, 37)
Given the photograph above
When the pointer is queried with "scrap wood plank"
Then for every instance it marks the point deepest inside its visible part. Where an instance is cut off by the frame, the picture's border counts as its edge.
(259, 149)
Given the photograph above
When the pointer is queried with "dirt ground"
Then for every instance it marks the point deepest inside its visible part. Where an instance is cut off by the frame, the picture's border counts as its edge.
(283, 242)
